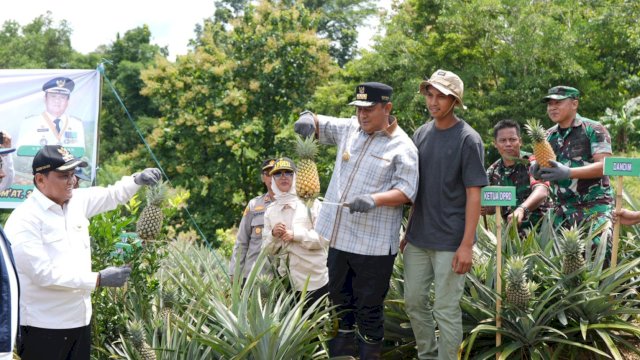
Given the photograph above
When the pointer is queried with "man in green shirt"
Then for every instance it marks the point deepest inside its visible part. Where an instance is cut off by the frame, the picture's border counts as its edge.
(582, 192)
(512, 169)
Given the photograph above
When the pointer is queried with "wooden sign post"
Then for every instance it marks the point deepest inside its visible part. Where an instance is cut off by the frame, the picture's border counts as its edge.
(498, 196)
(619, 167)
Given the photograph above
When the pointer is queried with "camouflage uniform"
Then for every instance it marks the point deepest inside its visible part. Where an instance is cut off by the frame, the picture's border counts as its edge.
(518, 175)
(580, 200)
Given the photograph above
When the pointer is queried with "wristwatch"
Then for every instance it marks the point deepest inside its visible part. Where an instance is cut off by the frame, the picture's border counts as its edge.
(525, 209)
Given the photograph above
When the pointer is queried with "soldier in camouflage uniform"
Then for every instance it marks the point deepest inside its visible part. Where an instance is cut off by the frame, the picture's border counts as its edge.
(512, 169)
(582, 191)
(249, 240)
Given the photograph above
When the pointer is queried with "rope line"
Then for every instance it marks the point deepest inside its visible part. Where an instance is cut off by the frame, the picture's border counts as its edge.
(157, 162)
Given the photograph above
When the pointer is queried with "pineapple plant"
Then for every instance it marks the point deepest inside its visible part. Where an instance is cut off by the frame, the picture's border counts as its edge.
(307, 179)
(518, 290)
(541, 147)
(572, 248)
(150, 220)
(169, 294)
(137, 335)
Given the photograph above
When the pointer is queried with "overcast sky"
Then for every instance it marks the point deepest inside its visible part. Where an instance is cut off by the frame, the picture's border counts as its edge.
(97, 23)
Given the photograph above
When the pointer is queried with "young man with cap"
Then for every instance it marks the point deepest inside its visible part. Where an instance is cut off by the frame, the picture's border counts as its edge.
(375, 174)
(249, 239)
(582, 191)
(290, 236)
(53, 126)
(438, 244)
(9, 287)
(512, 169)
(50, 241)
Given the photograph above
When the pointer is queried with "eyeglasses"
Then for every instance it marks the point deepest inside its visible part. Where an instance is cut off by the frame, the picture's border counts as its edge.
(266, 173)
(285, 173)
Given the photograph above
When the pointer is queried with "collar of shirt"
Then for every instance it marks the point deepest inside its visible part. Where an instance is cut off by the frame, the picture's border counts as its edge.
(389, 131)
(43, 201)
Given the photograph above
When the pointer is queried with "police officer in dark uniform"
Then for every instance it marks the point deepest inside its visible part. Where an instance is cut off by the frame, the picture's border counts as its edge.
(249, 240)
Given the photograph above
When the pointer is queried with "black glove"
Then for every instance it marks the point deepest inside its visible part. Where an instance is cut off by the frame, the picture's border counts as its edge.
(361, 204)
(534, 170)
(114, 276)
(305, 125)
(557, 172)
(148, 176)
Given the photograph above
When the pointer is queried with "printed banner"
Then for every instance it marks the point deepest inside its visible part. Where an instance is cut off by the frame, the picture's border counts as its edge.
(45, 107)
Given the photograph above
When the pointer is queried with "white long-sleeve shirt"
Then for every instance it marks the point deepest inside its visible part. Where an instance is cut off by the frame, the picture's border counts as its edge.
(307, 253)
(51, 247)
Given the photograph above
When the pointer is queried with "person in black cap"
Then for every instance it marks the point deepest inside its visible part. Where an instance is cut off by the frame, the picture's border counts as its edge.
(8, 275)
(582, 192)
(81, 176)
(249, 239)
(375, 174)
(53, 126)
(50, 242)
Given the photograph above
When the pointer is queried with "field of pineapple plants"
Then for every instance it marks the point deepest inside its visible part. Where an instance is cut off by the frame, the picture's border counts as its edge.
(182, 304)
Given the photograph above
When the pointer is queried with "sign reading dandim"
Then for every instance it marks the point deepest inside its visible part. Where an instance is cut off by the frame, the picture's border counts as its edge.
(621, 166)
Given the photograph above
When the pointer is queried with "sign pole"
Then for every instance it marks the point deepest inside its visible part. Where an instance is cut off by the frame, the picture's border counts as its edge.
(498, 196)
(498, 277)
(619, 167)
(616, 226)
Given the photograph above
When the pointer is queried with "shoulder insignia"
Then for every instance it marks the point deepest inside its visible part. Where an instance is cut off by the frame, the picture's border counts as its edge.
(246, 211)
(258, 208)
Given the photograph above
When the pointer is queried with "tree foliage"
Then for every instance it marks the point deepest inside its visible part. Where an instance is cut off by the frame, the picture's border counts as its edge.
(37, 45)
(229, 103)
(124, 60)
(508, 52)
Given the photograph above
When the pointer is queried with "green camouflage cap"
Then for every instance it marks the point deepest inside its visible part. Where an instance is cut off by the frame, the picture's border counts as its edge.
(561, 92)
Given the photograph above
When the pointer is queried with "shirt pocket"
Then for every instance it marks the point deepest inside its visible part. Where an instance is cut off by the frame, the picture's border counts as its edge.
(379, 171)
(55, 243)
(257, 225)
(80, 232)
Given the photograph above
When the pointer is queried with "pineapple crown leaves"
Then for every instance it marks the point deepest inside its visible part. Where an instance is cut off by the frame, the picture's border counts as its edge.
(157, 194)
(535, 130)
(136, 331)
(306, 148)
(517, 269)
(571, 241)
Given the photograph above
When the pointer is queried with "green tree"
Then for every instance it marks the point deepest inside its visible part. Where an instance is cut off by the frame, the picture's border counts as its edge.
(37, 45)
(508, 52)
(229, 104)
(124, 60)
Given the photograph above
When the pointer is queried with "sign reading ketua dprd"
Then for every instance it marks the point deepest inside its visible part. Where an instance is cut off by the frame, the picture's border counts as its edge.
(498, 196)
(621, 166)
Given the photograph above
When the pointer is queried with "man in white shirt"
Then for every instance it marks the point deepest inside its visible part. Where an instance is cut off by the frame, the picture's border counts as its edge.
(51, 247)
(8, 277)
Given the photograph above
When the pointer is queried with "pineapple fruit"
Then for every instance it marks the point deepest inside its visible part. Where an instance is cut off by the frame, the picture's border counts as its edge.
(307, 179)
(518, 290)
(541, 147)
(150, 220)
(572, 247)
(138, 335)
